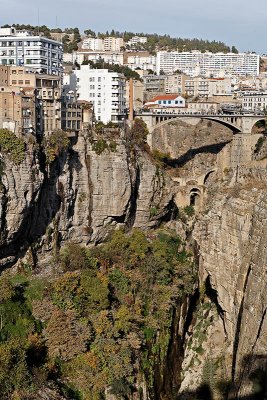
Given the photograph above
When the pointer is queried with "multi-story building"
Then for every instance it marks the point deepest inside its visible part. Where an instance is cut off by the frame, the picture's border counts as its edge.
(208, 64)
(113, 44)
(35, 52)
(256, 101)
(207, 87)
(94, 44)
(17, 109)
(76, 115)
(140, 60)
(135, 40)
(104, 89)
(110, 57)
(153, 85)
(175, 83)
(42, 90)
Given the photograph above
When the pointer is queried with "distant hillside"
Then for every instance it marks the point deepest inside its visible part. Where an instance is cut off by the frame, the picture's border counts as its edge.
(166, 42)
(71, 37)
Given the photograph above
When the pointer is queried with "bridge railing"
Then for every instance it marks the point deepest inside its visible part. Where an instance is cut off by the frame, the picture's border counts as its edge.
(199, 114)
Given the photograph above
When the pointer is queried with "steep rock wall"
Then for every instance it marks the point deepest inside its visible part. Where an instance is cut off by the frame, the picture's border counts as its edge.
(81, 196)
(233, 254)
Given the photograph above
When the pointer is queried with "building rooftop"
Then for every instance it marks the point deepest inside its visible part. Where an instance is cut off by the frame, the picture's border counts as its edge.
(165, 97)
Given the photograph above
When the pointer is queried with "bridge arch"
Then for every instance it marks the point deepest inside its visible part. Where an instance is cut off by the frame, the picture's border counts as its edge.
(165, 120)
(262, 120)
(207, 175)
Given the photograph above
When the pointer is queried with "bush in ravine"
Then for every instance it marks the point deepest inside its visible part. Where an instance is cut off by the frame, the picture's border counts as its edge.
(105, 319)
(139, 132)
(55, 144)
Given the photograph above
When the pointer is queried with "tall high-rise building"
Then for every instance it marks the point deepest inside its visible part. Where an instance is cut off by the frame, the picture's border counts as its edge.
(208, 64)
(104, 89)
(22, 48)
(113, 44)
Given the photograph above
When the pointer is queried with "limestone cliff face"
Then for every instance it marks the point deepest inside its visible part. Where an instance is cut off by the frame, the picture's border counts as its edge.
(233, 254)
(20, 189)
(81, 196)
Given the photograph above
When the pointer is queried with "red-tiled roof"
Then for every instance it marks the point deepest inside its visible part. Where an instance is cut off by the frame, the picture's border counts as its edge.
(165, 97)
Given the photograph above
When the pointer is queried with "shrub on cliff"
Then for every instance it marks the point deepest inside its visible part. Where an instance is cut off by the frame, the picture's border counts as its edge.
(139, 132)
(12, 146)
(55, 144)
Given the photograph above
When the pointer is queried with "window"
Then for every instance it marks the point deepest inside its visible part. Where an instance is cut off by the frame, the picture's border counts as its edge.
(99, 79)
(92, 87)
(91, 79)
(169, 102)
(20, 82)
(14, 82)
(27, 82)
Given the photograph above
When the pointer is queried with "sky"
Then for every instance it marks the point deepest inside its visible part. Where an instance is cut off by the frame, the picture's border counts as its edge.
(242, 23)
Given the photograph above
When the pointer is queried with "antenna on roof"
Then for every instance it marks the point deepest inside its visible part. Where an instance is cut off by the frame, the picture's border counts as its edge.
(38, 18)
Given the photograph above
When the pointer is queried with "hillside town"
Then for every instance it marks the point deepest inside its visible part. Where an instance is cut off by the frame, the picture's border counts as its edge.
(107, 79)
(133, 201)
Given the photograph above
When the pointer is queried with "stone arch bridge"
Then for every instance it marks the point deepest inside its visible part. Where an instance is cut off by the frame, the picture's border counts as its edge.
(238, 123)
(191, 190)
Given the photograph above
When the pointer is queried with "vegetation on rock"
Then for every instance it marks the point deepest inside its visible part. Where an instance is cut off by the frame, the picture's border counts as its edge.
(55, 144)
(99, 324)
(12, 146)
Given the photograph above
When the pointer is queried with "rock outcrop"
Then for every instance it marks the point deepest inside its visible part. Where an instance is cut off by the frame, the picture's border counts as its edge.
(81, 196)
(233, 257)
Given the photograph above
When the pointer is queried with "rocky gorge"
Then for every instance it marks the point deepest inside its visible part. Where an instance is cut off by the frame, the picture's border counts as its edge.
(214, 344)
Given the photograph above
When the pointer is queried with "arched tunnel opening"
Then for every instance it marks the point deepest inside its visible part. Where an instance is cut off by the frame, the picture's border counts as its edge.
(195, 198)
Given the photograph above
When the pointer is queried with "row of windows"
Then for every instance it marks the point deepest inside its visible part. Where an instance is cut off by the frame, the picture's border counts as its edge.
(28, 43)
(170, 102)
(20, 82)
(92, 79)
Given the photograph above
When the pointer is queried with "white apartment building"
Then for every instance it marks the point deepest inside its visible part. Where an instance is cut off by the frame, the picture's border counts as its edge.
(113, 43)
(95, 56)
(137, 40)
(207, 87)
(254, 101)
(104, 89)
(94, 44)
(21, 48)
(141, 62)
(208, 64)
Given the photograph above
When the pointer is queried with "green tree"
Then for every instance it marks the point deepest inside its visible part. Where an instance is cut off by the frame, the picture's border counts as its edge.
(139, 132)
(55, 144)
(89, 32)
